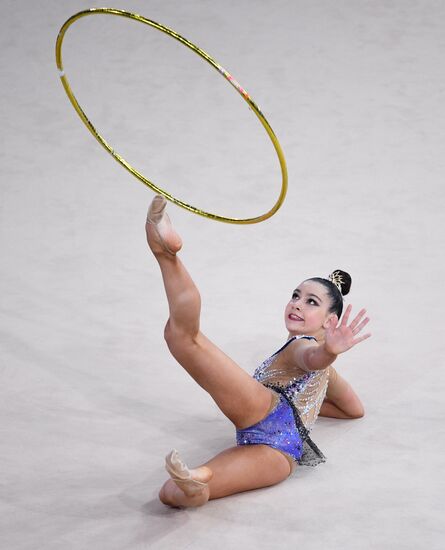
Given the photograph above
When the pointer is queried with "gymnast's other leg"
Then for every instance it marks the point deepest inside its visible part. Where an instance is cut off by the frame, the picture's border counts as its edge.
(240, 397)
(234, 470)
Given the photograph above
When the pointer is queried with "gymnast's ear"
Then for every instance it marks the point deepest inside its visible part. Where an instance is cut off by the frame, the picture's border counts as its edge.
(331, 318)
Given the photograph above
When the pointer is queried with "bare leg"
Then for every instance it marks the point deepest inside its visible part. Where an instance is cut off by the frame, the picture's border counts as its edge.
(183, 297)
(240, 397)
(235, 470)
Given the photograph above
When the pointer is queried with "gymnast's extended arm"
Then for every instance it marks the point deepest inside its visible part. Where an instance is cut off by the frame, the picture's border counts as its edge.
(341, 401)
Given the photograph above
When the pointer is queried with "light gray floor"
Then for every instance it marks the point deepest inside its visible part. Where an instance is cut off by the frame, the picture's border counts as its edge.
(90, 398)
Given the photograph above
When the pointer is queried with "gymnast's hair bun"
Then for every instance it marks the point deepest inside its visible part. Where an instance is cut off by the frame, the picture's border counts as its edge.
(341, 280)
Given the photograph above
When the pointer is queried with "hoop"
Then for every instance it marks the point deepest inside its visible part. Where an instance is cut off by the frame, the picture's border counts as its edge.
(221, 70)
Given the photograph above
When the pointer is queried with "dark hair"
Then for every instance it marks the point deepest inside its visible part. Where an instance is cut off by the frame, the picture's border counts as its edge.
(335, 295)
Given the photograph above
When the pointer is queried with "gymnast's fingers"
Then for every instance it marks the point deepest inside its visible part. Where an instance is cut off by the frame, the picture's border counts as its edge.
(356, 321)
(364, 337)
(361, 325)
(344, 321)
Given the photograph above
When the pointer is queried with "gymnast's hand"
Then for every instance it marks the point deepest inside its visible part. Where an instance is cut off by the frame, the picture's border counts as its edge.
(339, 339)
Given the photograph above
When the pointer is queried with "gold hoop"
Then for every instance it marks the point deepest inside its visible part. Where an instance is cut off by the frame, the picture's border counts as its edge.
(204, 55)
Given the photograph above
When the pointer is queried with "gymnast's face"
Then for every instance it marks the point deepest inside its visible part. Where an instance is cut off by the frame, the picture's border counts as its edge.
(308, 310)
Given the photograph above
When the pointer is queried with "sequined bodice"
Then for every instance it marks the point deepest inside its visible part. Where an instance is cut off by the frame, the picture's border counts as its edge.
(306, 389)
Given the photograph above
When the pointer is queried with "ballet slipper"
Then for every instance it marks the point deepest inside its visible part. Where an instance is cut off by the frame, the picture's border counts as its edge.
(154, 217)
(181, 475)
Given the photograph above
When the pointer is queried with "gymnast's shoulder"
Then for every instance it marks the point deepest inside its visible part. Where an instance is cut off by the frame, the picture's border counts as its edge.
(298, 353)
(293, 355)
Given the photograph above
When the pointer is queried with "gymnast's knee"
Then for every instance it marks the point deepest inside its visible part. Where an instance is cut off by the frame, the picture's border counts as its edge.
(168, 332)
(178, 340)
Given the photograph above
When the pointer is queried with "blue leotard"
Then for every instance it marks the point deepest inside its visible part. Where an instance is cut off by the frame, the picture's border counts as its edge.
(287, 426)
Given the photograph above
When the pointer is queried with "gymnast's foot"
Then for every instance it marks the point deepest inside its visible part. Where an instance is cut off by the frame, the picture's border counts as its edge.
(191, 482)
(161, 236)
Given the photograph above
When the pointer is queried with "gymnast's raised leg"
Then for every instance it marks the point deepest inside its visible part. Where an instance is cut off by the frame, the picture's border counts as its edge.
(241, 398)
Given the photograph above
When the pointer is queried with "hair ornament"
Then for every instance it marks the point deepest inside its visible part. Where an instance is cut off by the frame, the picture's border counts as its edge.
(337, 278)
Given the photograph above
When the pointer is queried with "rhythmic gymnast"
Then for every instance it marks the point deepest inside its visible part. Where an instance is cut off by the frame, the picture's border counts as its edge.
(273, 411)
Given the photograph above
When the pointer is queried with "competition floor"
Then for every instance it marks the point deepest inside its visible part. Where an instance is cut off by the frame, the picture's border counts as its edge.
(90, 398)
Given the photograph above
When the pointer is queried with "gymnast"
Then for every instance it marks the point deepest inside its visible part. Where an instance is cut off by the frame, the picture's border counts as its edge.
(274, 410)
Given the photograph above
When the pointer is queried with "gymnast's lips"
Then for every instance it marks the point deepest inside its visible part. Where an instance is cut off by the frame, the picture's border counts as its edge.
(297, 318)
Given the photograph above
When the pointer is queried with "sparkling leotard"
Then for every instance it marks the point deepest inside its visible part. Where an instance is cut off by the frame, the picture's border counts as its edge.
(304, 392)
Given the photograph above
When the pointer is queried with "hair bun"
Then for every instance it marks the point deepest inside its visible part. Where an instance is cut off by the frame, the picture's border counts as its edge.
(341, 280)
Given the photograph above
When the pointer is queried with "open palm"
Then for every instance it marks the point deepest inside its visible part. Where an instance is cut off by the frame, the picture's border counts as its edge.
(339, 339)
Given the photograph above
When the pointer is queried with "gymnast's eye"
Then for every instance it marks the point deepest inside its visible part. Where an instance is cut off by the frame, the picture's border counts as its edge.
(312, 302)
(294, 295)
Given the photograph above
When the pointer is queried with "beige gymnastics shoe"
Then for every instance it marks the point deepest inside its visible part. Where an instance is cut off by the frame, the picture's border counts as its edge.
(163, 236)
(185, 479)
